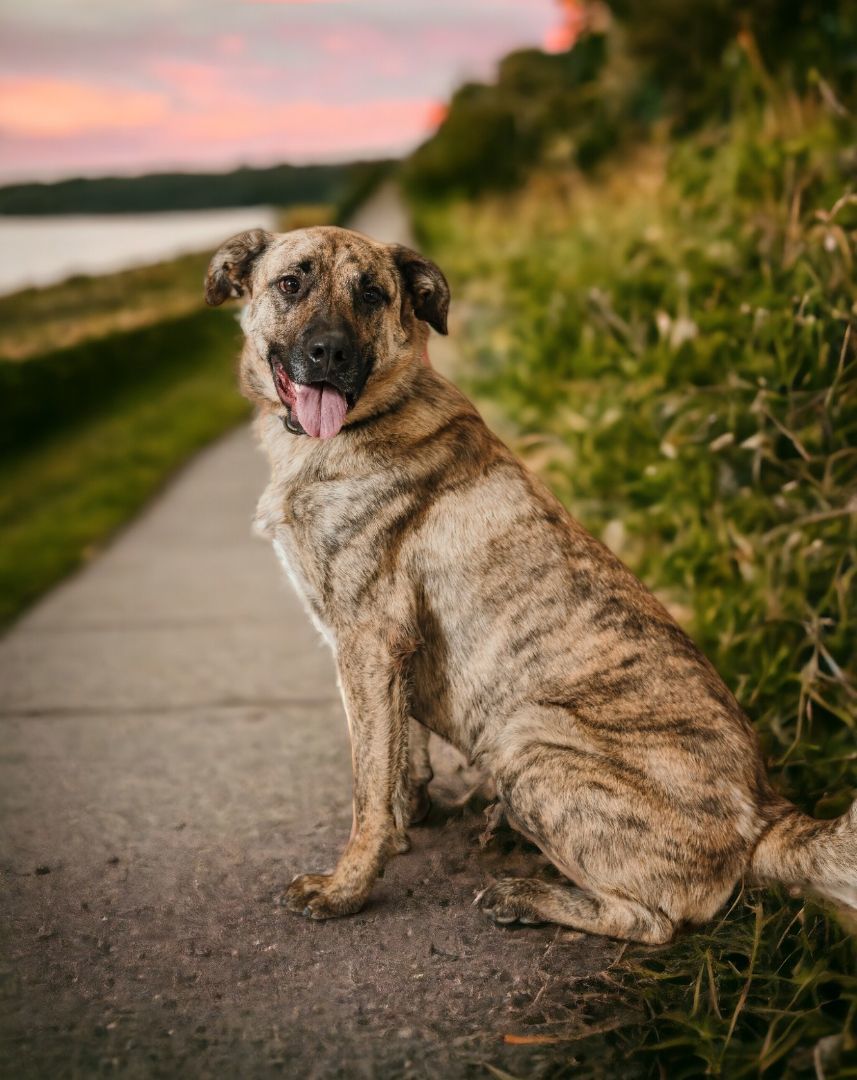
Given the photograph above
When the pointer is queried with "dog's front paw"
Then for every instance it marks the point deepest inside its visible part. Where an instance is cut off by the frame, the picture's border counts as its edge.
(419, 804)
(400, 844)
(317, 896)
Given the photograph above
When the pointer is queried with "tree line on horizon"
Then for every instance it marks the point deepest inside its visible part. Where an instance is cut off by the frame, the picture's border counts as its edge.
(278, 185)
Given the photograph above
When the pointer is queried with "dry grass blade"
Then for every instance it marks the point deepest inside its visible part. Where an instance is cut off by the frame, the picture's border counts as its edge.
(742, 1000)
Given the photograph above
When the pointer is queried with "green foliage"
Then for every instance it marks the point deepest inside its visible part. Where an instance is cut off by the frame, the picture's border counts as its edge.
(768, 990)
(680, 47)
(41, 320)
(654, 62)
(87, 473)
(478, 147)
(44, 394)
(280, 185)
(363, 180)
(493, 134)
(674, 349)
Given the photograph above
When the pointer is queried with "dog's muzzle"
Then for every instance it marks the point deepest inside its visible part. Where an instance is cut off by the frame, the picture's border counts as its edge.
(319, 380)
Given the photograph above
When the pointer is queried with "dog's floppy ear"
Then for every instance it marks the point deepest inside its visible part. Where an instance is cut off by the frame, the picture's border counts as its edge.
(425, 285)
(229, 270)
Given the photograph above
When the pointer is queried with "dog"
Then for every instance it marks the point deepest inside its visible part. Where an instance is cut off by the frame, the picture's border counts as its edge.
(455, 589)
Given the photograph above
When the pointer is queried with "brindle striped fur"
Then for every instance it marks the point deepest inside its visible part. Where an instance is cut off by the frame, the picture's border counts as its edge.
(454, 588)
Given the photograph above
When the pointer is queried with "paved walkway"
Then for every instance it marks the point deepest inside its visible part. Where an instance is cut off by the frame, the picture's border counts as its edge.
(173, 751)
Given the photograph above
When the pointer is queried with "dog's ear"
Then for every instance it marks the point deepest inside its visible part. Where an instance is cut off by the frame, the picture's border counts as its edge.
(425, 286)
(230, 268)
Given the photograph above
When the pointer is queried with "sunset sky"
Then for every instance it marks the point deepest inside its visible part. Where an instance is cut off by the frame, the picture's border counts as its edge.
(94, 87)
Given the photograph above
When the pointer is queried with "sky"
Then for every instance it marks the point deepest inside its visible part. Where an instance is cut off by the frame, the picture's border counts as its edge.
(119, 87)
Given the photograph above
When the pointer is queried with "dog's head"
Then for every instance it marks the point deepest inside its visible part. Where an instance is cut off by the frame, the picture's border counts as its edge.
(329, 313)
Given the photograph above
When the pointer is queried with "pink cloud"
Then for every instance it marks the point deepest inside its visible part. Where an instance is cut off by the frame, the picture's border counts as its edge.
(230, 44)
(190, 81)
(562, 37)
(48, 107)
(261, 81)
(305, 123)
(234, 131)
(199, 104)
(558, 39)
(337, 44)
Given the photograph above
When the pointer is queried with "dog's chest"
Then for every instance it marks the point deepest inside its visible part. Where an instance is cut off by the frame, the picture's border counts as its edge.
(276, 522)
(287, 552)
(309, 526)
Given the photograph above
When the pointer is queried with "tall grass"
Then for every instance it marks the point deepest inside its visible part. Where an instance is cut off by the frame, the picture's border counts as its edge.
(673, 346)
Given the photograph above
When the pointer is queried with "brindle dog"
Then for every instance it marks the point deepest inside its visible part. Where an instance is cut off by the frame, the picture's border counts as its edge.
(453, 587)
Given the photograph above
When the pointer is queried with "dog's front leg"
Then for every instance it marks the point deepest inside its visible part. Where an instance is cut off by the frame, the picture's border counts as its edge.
(370, 673)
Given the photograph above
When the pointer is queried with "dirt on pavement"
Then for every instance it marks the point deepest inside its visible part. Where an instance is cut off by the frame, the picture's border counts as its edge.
(171, 956)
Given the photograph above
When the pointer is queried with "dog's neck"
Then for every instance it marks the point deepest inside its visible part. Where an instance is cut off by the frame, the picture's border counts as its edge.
(382, 428)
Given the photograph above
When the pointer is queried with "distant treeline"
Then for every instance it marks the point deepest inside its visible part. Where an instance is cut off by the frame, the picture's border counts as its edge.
(281, 185)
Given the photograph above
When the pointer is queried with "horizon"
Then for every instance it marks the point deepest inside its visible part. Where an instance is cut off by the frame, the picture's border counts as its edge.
(192, 171)
(180, 86)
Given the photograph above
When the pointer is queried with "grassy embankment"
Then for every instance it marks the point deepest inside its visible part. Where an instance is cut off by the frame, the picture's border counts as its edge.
(670, 341)
(107, 385)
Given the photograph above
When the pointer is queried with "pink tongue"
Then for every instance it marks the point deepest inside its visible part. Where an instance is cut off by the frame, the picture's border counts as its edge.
(321, 409)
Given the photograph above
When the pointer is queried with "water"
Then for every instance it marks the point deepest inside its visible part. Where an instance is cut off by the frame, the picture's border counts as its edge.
(44, 250)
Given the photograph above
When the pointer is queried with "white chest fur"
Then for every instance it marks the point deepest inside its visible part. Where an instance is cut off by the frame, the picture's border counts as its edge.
(287, 455)
(291, 565)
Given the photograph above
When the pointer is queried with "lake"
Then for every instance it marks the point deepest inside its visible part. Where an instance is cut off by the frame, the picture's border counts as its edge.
(45, 250)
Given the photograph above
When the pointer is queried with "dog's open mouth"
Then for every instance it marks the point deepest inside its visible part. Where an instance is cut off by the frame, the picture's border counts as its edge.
(319, 408)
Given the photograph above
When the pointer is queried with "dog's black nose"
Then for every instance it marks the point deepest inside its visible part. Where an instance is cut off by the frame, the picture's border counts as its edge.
(329, 352)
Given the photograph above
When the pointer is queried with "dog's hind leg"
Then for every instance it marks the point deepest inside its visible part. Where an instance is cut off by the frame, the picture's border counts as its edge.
(528, 900)
(411, 802)
(419, 771)
(642, 860)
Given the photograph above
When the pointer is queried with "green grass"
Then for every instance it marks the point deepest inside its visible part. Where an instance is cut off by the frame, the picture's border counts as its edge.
(672, 345)
(34, 321)
(64, 496)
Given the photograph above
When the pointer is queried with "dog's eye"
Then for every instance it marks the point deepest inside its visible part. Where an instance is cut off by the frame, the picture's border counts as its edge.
(289, 284)
(372, 295)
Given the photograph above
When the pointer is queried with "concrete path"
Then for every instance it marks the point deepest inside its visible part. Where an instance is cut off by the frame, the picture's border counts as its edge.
(173, 752)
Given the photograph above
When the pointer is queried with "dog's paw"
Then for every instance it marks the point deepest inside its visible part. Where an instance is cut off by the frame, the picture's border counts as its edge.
(419, 804)
(302, 889)
(511, 900)
(317, 896)
(400, 844)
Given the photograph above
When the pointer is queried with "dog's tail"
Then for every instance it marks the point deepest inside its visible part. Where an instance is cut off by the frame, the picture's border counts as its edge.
(802, 852)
